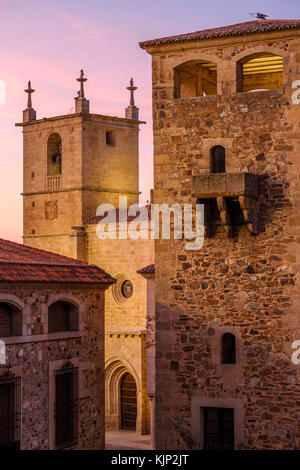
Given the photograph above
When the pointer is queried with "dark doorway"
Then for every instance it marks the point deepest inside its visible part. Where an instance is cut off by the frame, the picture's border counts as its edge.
(128, 402)
(65, 418)
(218, 424)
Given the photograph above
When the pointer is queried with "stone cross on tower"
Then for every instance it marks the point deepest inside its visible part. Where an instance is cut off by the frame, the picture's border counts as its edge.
(132, 112)
(82, 105)
(29, 114)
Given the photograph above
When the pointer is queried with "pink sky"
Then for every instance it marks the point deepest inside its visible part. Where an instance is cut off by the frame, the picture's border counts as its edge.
(49, 42)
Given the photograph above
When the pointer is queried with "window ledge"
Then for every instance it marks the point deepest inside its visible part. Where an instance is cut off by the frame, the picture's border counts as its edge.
(197, 99)
(39, 338)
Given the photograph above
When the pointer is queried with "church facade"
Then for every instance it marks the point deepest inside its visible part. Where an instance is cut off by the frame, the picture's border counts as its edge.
(226, 135)
(72, 164)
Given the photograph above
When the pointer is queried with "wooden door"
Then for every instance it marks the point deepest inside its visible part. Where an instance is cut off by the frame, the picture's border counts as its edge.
(128, 402)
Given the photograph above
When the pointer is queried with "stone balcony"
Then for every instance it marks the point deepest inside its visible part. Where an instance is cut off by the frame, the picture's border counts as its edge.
(236, 196)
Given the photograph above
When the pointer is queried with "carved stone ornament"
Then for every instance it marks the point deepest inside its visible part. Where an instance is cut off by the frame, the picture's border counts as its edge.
(51, 210)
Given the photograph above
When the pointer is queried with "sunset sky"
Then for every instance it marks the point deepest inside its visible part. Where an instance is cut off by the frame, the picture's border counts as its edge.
(49, 42)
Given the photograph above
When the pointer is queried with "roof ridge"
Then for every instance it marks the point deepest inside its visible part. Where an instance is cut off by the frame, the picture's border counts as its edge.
(258, 26)
(39, 250)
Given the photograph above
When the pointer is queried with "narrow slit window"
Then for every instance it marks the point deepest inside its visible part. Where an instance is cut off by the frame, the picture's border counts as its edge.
(218, 159)
(228, 349)
(110, 138)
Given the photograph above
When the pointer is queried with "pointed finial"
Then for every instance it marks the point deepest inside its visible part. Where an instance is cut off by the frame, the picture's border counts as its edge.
(132, 89)
(81, 79)
(29, 90)
(29, 114)
(82, 105)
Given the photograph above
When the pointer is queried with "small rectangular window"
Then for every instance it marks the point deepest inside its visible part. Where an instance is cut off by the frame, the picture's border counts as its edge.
(110, 138)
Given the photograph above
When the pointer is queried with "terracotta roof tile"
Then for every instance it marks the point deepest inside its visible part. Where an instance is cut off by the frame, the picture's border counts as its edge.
(21, 263)
(147, 270)
(249, 27)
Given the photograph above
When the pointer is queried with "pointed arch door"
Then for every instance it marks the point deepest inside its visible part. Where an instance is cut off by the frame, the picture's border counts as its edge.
(128, 402)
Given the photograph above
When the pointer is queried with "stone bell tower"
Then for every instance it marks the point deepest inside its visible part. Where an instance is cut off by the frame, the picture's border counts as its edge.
(73, 163)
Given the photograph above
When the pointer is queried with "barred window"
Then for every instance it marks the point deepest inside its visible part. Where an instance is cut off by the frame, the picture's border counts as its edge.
(10, 412)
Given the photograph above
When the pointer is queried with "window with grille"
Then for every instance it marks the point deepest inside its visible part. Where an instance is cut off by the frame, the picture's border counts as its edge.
(10, 412)
(218, 427)
(66, 407)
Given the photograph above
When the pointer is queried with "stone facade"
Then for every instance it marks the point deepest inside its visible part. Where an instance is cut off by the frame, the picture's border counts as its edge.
(244, 284)
(99, 161)
(125, 322)
(35, 356)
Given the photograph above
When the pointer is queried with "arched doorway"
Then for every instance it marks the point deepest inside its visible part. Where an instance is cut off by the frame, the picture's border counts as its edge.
(128, 402)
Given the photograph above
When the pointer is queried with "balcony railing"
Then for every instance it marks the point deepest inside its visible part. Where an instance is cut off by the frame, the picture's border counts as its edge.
(212, 445)
(54, 183)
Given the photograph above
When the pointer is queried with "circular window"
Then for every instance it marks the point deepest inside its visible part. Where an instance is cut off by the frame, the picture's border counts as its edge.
(127, 289)
(122, 289)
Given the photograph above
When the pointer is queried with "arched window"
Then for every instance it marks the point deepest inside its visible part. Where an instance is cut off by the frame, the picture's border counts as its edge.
(195, 78)
(10, 321)
(62, 316)
(218, 159)
(228, 349)
(261, 71)
(54, 153)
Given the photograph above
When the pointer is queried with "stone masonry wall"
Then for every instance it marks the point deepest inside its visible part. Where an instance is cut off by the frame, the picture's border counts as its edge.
(31, 357)
(248, 285)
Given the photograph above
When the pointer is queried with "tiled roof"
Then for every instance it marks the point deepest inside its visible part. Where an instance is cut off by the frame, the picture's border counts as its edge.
(110, 217)
(20, 263)
(147, 270)
(249, 27)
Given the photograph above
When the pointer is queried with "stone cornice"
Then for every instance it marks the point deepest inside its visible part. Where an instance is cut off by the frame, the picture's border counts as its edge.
(85, 116)
(82, 188)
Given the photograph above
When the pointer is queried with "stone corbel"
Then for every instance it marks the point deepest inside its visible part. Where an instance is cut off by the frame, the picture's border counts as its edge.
(224, 213)
(249, 206)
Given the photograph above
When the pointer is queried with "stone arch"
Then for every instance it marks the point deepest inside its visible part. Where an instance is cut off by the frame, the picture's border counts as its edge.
(115, 370)
(13, 300)
(260, 68)
(228, 348)
(11, 316)
(72, 300)
(54, 154)
(195, 77)
(218, 159)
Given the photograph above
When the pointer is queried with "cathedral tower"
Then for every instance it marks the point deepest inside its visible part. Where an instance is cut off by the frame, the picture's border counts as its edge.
(73, 163)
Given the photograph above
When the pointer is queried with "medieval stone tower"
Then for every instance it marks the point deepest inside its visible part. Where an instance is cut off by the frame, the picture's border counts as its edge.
(226, 134)
(72, 164)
